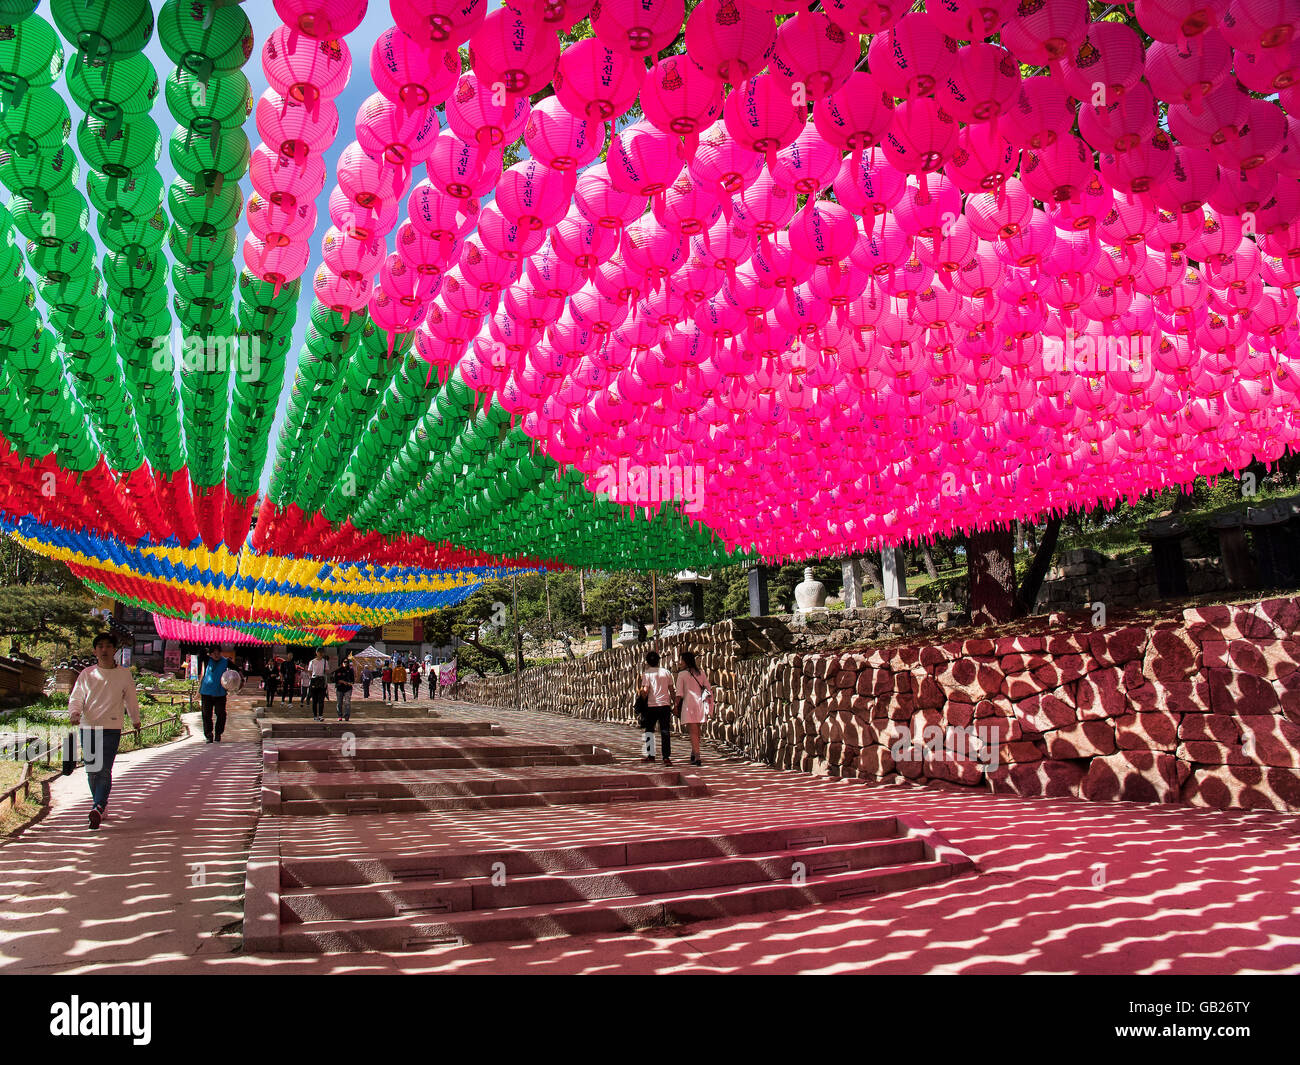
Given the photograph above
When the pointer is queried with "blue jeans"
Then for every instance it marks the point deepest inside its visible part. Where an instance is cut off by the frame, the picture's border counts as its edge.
(98, 751)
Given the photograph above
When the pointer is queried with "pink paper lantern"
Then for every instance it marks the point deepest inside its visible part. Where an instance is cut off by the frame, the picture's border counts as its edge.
(638, 28)
(1046, 31)
(761, 116)
(533, 195)
(513, 52)
(1106, 65)
(678, 97)
(812, 56)
(596, 82)
(1040, 113)
(981, 84)
(643, 160)
(922, 138)
(912, 58)
(1177, 21)
(479, 116)
(321, 20)
(730, 39)
(1186, 72)
(439, 23)
(559, 139)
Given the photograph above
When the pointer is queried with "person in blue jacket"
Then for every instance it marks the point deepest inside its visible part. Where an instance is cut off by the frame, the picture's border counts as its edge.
(212, 696)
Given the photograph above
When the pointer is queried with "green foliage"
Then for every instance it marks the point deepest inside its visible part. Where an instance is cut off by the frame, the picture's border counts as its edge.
(42, 612)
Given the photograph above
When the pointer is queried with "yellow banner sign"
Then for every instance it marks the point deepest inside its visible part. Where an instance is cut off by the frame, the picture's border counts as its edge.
(400, 631)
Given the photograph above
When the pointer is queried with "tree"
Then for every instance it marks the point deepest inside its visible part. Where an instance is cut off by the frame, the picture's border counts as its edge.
(1027, 597)
(481, 624)
(622, 596)
(991, 570)
(550, 609)
(43, 612)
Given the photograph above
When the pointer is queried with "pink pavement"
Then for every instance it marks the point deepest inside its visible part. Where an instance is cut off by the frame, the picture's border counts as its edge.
(1063, 886)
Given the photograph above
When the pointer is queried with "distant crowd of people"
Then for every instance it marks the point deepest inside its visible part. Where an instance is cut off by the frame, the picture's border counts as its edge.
(310, 680)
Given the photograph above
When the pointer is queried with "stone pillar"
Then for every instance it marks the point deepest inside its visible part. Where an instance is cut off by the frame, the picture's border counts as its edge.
(606, 638)
(1272, 549)
(758, 604)
(851, 570)
(894, 575)
(1234, 550)
(697, 603)
(1165, 535)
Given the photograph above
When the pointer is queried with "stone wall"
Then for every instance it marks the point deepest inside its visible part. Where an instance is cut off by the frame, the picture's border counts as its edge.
(1199, 706)
(1202, 707)
(1085, 577)
(602, 686)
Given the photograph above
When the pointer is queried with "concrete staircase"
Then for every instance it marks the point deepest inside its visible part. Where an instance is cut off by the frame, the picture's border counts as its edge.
(445, 870)
(406, 901)
(313, 769)
(362, 709)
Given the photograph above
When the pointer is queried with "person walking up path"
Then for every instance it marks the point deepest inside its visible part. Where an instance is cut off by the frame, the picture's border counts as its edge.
(344, 677)
(101, 697)
(271, 681)
(316, 672)
(288, 675)
(212, 695)
(399, 681)
(415, 680)
(694, 700)
(657, 687)
(387, 678)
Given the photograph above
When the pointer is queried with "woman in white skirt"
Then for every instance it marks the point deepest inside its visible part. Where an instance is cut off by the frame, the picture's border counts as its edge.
(694, 700)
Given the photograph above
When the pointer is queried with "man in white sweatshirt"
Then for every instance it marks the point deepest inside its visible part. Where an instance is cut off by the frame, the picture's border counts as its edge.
(102, 696)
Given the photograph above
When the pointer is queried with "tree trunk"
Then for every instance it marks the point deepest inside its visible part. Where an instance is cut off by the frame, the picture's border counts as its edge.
(872, 571)
(928, 559)
(991, 571)
(492, 653)
(1027, 597)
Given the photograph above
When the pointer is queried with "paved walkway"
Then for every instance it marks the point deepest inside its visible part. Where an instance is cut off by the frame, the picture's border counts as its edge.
(1064, 886)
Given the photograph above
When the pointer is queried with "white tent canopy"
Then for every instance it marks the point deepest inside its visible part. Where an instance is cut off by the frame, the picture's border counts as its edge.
(371, 653)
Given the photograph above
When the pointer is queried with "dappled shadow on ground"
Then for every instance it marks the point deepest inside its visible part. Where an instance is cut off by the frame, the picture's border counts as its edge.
(1063, 886)
(162, 876)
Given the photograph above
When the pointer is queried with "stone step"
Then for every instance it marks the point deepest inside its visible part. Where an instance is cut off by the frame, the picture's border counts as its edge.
(274, 729)
(414, 931)
(368, 709)
(465, 782)
(469, 761)
(401, 897)
(427, 748)
(377, 865)
(417, 804)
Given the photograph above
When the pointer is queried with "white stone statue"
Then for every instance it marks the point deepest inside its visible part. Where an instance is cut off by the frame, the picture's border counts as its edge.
(809, 594)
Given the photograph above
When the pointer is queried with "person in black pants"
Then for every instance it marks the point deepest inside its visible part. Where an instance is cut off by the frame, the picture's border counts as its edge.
(287, 673)
(271, 680)
(212, 695)
(657, 688)
(316, 684)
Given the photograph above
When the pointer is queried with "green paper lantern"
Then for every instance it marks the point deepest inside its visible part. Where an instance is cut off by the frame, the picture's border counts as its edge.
(38, 125)
(226, 100)
(104, 30)
(204, 41)
(119, 150)
(31, 56)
